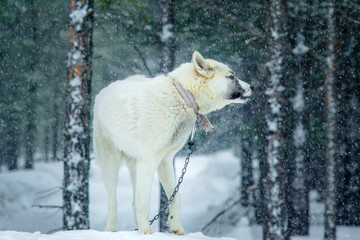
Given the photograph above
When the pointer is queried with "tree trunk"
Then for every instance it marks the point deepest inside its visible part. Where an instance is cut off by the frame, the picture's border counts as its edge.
(275, 221)
(11, 123)
(55, 129)
(247, 143)
(30, 126)
(46, 144)
(167, 36)
(246, 169)
(298, 194)
(348, 90)
(260, 210)
(10, 113)
(167, 65)
(55, 124)
(11, 143)
(331, 128)
(77, 135)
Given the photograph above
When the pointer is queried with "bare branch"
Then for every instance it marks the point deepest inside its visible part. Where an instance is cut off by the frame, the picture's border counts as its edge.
(54, 230)
(248, 190)
(229, 17)
(353, 20)
(128, 24)
(47, 193)
(141, 55)
(48, 206)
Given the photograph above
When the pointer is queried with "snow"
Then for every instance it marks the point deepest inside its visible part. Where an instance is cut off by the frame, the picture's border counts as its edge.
(275, 68)
(96, 235)
(275, 34)
(298, 100)
(299, 135)
(166, 32)
(75, 82)
(208, 183)
(300, 48)
(272, 125)
(20, 190)
(78, 15)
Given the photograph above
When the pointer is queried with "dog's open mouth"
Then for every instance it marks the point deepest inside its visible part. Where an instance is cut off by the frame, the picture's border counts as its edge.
(239, 96)
(244, 97)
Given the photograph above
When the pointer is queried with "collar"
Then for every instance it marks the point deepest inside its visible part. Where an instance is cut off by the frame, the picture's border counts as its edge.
(191, 102)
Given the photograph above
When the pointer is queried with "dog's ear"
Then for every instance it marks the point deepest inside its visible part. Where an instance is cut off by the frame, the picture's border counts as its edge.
(201, 65)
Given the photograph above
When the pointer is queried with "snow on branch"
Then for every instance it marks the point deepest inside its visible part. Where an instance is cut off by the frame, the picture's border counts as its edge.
(77, 16)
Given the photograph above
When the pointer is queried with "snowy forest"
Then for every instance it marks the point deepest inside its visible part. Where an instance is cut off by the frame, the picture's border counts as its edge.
(283, 165)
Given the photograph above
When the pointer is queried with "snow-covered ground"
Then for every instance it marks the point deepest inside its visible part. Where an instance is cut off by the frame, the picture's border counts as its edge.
(97, 235)
(209, 182)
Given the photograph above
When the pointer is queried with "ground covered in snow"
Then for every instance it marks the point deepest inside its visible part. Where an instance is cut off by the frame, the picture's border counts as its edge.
(210, 182)
(96, 235)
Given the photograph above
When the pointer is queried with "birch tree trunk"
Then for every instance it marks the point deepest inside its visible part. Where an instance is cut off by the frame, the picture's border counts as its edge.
(77, 137)
(167, 65)
(275, 220)
(331, 128)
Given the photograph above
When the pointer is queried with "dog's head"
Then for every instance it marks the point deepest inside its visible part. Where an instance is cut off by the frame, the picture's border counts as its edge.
(220, 80)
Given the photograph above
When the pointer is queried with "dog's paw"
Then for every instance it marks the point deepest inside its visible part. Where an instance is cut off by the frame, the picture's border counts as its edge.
(110, 229)
(178, 231)
(176, 228)
(147, 231)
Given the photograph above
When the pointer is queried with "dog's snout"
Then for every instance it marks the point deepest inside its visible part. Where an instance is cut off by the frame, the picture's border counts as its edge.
(252, 88)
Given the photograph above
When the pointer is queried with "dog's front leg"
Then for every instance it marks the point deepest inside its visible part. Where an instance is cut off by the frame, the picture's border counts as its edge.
(141, 202)
(167, 178)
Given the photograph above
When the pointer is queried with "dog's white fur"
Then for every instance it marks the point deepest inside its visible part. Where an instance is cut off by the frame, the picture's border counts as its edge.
(144, 122)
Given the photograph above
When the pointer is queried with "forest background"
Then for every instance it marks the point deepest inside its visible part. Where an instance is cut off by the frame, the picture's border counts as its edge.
(128, 38)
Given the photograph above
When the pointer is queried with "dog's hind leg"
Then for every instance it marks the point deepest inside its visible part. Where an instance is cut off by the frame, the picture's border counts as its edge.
(110, 177)
(109, 163)
(144, 175)
(167, 178)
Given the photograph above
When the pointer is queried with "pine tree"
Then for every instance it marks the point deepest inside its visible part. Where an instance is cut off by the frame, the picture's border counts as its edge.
(10, 108)
(77, 132)
(55, 127)
(247, 179)
(167, 36)
(275, 219)
(248, 112)
(331, 129)
(30, 105)
(348, 92)
(298, 194)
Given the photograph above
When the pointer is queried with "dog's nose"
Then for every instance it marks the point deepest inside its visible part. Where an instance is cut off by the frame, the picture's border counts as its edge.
(252, 88)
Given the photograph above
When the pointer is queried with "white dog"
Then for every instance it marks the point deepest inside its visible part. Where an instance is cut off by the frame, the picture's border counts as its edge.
(144, 122)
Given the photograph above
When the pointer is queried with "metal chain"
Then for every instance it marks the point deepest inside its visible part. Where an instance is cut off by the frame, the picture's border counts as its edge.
(189, 151)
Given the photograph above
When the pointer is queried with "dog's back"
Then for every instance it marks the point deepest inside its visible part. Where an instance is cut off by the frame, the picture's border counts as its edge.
(115, 114)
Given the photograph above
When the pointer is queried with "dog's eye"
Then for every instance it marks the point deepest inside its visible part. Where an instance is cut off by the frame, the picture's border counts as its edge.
(231, 77)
